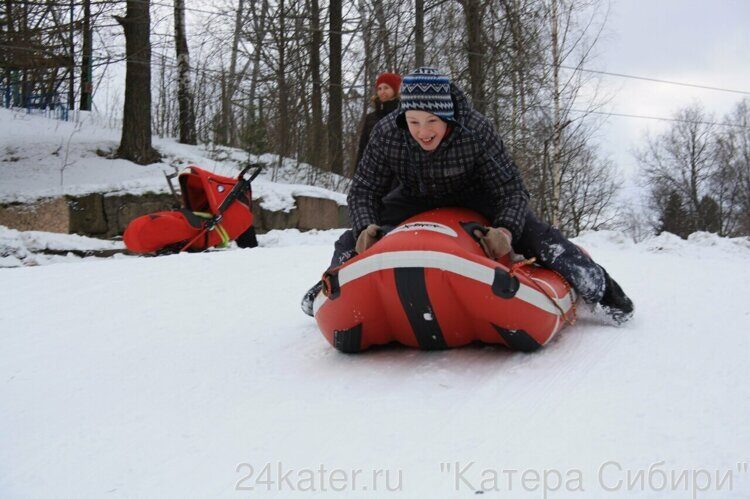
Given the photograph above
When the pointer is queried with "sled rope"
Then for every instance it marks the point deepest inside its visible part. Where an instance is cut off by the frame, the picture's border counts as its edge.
(210, 224)
(523, 263)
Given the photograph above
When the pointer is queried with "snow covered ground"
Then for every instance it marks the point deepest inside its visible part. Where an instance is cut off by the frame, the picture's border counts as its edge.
(197, 375)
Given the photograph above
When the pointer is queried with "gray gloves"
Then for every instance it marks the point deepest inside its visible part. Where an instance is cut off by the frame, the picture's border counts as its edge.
(367, 238)
(495, 242)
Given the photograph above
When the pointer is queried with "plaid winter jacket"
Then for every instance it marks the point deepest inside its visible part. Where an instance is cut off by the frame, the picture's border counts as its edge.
(469, 162)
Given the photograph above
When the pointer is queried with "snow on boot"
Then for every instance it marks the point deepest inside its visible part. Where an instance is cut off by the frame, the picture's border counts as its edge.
(615, 303)
(309, 298)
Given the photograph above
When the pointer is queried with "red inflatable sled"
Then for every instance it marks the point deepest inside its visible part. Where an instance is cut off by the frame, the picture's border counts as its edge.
(216, 210)
(428, 284)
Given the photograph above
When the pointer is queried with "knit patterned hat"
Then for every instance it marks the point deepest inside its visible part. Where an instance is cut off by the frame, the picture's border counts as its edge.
(393, 80)
(427, 89)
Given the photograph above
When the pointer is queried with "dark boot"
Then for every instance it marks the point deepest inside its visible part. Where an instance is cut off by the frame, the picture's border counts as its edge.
(615, 303)
(309, 298)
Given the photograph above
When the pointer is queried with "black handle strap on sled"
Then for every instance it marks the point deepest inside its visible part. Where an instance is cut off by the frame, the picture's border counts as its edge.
(243, 184)
(471, 227)
(385, 229)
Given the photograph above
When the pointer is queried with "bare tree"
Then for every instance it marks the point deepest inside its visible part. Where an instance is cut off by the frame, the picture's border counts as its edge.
(316, 149)
(731, 182)
(87, 84)
(282, 87)
(588, 189)
(184, 93)
(681, 160)
(135, 144)
(475, 50)
(419, 33)
(388, 51)
(335, 90)
(231, 82)
(161, 113)
(555, 173)
(254, 130)
(575, 27)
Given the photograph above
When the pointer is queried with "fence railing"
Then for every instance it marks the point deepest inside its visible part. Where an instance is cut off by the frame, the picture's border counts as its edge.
(50, 105)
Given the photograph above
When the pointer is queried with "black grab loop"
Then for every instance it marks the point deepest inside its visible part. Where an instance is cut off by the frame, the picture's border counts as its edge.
(505, 285)
(470, 227)
(331, 286)
(240, 187)
(385, 229)
(258, 169)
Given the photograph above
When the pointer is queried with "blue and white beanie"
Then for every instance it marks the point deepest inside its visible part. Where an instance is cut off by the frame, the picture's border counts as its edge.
(427, 89)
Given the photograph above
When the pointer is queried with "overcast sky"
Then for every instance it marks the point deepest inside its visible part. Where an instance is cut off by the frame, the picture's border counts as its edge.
(705, 42)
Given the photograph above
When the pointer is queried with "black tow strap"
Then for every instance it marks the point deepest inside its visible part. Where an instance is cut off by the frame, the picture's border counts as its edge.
(412, 290)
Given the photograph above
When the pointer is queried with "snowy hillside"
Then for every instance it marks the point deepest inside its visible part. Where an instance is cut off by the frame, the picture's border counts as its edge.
(40, 157)
(197, 375)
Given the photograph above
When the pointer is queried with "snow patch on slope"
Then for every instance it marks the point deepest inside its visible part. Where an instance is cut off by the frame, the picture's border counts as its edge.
(41, 158)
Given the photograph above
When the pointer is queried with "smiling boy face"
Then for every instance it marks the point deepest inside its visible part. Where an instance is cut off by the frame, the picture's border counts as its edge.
(426, 128)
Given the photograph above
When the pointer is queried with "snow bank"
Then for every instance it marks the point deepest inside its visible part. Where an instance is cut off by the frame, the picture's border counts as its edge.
(29, 248)
(33, 248)
(698, 244)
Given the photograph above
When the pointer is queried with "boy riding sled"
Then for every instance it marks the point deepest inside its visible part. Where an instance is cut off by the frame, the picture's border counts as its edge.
(441, 152)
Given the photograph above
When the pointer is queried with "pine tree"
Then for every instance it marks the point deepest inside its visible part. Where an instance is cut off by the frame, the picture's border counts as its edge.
(709, 214)
(674, 217)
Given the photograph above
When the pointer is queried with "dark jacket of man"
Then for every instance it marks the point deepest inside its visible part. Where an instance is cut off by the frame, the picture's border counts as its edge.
(470, 161)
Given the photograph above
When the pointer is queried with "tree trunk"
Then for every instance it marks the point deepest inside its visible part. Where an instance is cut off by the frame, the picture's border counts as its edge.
(475, 49)
(71, 86)
(335, 119)
(316, 149)
(284, 128)
(220, 130)
(556, 137)
(184, 93)
(419, 33)
(135, 144)
(517, 49)
(160, 123)
(370, 65)
(388, 52)
(227, 112)
(260, 33)
(86, 55)
(8, 99)
(9, 22)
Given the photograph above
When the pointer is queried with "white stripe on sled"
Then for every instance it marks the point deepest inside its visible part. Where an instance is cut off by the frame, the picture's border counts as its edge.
(446, 262)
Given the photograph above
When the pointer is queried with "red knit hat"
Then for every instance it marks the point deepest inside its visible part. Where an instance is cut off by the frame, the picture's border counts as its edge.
(393, 80)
